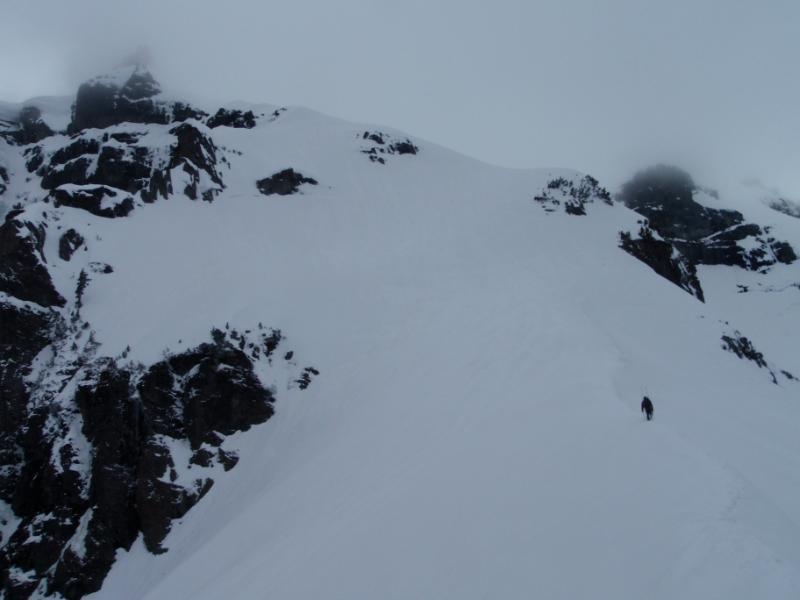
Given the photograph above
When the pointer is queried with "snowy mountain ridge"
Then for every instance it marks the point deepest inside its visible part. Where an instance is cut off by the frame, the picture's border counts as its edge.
(262, 351)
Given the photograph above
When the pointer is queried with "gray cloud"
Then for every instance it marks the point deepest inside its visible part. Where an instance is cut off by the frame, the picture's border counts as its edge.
(602, 86)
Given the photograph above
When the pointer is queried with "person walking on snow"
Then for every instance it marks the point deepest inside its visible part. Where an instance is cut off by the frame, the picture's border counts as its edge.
(647, 408)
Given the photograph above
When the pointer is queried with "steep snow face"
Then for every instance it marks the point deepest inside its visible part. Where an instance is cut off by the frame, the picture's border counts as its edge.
(473, 429)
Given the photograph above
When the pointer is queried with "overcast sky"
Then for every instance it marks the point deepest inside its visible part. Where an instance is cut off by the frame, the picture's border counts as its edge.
(603, 86)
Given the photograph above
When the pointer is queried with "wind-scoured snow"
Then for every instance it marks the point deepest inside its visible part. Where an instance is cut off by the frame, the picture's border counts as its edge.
(475, 430)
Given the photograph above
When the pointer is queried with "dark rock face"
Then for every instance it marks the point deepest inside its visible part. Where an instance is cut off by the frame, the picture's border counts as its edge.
(34, 157)
(723, 249)
(99, 200)
(183, 112)
(283, 183)
(214, 390)
(69, 243)
(88, 445)
(403, 147)
(122, 164)
(695, 234)
(96, 496)
(3, 180)
(32, 128)
(196, 154)
(665, 196)
(93, 161)
(574, 196)
(127, 169)
(743, 348)
(380, 145)
(101, 103)
(80, 147)
(782, 251)
(25, 330)
(130, 418)
(94, 450)
(662, 257)
(140, 85)
(29, 128)
(117, 162)
(232, 118)
(160, 502)
(23, 271)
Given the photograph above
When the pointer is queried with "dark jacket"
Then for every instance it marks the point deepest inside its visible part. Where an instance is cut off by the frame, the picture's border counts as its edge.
(647, 406)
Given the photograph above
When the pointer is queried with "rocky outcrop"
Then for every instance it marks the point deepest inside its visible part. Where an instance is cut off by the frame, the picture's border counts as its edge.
(283, 183)
(680, 233)
(96, 464)
(735, 343)
(102, 102)
(119, 163)
(29, 128)
(573, 194)
(101, 160)
(743, 348)
(128, 96)
(664, 259)
(97, 451)
(747, 245)
(378, 146)
(306, 377)
(69, 243)
(201, 392)
(32, 128)
(99, 200)
(181, 111)
(23, 271)
(25, 330)
(232, 118)
(195, 155)
(666, 197)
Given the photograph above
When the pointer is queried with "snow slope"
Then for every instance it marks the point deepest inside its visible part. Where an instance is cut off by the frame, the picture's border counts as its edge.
(474, 432)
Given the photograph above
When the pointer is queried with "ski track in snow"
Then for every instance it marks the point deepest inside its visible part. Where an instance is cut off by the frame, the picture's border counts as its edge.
(474, 432)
